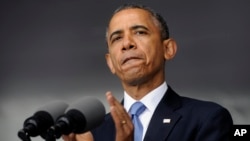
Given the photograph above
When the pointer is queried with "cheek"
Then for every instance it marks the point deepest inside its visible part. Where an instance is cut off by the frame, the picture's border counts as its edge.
(114, 59)
(150, 52)
(154, 55)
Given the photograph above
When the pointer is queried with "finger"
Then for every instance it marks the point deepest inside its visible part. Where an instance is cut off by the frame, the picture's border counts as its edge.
(70, 137)
(123, 124)
(117, 117)
(119, 109)
(112, 100)
(87, 136)
(118, 112)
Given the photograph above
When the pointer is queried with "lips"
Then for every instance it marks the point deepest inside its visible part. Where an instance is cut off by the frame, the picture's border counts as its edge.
(129, 57)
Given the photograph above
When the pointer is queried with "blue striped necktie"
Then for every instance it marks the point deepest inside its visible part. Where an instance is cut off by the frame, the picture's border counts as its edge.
(136, 109)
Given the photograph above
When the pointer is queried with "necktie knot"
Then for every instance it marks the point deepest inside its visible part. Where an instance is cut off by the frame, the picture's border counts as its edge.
(137, 108)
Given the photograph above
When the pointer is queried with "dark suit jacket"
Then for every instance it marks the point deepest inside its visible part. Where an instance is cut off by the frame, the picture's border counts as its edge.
(191, 120)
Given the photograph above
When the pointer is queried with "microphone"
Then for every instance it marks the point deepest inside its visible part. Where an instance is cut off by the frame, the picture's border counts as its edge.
(43, 118)
(83, 115)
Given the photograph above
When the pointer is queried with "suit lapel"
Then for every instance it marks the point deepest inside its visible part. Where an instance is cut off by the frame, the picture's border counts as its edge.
(164, 118)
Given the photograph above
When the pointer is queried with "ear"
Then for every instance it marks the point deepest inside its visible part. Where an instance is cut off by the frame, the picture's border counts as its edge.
(109, 63)
(170, 48)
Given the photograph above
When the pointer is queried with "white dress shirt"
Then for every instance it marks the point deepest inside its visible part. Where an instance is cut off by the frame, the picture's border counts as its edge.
(150, 100)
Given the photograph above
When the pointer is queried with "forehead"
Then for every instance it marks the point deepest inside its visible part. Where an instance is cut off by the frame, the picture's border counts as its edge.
(128, 17)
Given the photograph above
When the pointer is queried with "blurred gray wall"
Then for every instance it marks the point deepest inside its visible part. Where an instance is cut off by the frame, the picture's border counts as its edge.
(54, 49)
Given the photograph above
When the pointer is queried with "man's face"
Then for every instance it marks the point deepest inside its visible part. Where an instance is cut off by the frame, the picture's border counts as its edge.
(136, 51)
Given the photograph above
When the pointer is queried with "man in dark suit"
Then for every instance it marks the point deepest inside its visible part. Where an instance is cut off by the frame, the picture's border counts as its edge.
(139, 45)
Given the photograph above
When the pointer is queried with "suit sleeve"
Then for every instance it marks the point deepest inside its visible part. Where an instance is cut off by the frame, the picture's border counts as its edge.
(217, 126)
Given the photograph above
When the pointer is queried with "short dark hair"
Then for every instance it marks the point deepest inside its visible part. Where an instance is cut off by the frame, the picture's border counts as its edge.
(161, 21)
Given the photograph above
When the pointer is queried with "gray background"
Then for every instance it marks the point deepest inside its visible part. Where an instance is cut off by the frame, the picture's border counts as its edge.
(54, 49)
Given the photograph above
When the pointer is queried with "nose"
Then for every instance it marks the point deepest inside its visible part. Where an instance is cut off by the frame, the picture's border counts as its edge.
(128, 43)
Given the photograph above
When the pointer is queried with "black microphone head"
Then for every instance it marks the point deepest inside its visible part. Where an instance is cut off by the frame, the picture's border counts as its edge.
(87, 113)
(54, 109)
(42, 119)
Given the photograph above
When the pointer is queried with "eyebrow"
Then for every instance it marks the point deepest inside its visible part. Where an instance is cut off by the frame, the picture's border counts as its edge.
(132, 28)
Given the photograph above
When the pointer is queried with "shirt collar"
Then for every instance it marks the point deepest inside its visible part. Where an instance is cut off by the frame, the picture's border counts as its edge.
(150, 100)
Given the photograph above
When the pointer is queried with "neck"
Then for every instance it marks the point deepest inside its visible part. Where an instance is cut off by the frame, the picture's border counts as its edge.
(138, 91)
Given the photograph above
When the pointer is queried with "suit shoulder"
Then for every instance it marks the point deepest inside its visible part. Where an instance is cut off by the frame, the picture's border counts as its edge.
(202, 103)
(204, 108)
(199, 104)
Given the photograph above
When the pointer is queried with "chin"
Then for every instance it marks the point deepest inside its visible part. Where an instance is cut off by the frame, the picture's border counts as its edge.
(135, 81)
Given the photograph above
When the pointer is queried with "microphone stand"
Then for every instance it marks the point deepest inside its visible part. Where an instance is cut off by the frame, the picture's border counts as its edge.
(23, 135)
(48, 136)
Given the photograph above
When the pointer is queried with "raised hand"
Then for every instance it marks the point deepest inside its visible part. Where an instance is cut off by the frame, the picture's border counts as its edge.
(123, 123)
